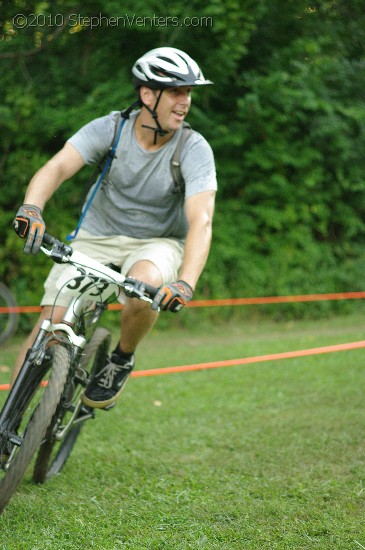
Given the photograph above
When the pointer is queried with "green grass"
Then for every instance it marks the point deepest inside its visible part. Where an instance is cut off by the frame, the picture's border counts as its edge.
(261, 456)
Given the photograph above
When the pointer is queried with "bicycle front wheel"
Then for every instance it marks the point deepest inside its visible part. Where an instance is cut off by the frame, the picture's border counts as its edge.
(31, 419)
(8, 319)
(56, 448)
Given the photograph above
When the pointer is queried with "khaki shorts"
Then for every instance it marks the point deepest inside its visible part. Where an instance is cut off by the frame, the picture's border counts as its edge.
(123, 252)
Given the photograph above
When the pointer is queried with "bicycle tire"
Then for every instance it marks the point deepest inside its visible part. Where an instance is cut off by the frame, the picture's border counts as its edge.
(37, 425)
(8, 321)
(53, 454)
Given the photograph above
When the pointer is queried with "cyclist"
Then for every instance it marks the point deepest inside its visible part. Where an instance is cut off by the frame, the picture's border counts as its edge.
(135, 221)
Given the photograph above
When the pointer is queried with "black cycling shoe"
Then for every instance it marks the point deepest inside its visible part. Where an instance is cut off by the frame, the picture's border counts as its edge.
(107, 384)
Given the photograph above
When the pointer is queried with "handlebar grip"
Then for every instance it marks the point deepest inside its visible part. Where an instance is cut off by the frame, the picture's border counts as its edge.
(48, 239)
(151, 290)
(141, 287)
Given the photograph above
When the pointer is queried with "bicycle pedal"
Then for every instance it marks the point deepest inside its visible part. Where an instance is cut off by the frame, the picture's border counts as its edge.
(108, 407)
(87, 411)
(16, 440)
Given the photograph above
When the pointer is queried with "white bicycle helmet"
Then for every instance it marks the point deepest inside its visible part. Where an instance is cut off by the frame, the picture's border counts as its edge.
(167, 68)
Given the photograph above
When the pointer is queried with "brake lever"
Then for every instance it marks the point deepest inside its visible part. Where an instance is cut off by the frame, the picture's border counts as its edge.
(59, 252)
(137, 291)
(133, 292)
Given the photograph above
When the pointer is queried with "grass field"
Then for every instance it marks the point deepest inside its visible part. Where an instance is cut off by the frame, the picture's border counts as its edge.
(261, 456)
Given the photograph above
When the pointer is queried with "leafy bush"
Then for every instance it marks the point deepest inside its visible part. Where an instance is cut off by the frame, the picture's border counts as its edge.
(286, 120)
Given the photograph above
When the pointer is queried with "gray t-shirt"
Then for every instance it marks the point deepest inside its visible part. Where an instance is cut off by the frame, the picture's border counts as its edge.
(137, 199)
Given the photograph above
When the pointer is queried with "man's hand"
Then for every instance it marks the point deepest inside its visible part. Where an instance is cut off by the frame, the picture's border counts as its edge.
(29, 223)
(173, 296)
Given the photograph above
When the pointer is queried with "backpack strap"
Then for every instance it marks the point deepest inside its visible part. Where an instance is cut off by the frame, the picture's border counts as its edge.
(110, 154)
(104, 168)
(175, 164)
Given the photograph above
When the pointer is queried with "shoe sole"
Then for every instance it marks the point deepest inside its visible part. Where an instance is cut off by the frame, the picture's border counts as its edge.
(103, 404)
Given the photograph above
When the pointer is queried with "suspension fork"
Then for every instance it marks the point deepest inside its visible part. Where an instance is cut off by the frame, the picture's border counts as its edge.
(35, 357)
(30, 362)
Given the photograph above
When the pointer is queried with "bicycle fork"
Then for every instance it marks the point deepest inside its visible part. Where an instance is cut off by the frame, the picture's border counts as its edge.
(33, 362)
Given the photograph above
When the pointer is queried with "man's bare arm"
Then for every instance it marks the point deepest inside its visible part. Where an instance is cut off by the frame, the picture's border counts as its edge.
(47, 180)
(199, 213)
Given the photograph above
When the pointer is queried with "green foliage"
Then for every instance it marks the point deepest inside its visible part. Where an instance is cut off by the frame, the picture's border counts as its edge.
(286, 120)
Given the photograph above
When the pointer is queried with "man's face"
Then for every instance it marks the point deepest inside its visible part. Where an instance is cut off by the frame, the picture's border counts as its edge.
(173, 107)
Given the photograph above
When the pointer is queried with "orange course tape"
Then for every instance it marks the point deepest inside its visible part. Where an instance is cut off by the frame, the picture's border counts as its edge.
(250, 360)
(245, 361)
(228, 301)
(277, 299)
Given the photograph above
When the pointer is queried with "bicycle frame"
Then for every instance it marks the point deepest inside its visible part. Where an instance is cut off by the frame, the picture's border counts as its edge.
(46, 419)
(71, 330)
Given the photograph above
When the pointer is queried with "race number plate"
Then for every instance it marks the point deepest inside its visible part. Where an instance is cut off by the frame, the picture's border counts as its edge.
(75, 282)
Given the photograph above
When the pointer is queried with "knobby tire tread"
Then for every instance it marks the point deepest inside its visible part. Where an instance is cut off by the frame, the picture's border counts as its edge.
(37, 425)
(44, 468)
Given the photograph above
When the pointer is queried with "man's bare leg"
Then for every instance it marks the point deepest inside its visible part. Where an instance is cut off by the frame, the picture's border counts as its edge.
(137, 317)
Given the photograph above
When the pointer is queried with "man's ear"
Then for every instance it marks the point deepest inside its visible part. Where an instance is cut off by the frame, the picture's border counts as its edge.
(148, 96)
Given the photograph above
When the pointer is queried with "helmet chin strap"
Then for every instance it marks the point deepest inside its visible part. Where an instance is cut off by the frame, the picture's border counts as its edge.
(156, 129)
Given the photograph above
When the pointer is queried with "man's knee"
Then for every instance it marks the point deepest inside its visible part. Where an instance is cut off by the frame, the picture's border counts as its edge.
(146, 271)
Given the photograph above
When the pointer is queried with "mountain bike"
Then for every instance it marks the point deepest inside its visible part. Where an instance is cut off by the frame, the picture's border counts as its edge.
(44, 411)
(9, 318)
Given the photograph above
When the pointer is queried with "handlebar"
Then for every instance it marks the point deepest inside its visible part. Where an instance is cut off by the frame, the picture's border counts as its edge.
(48, 239)
(140, 287)
(62, 253)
